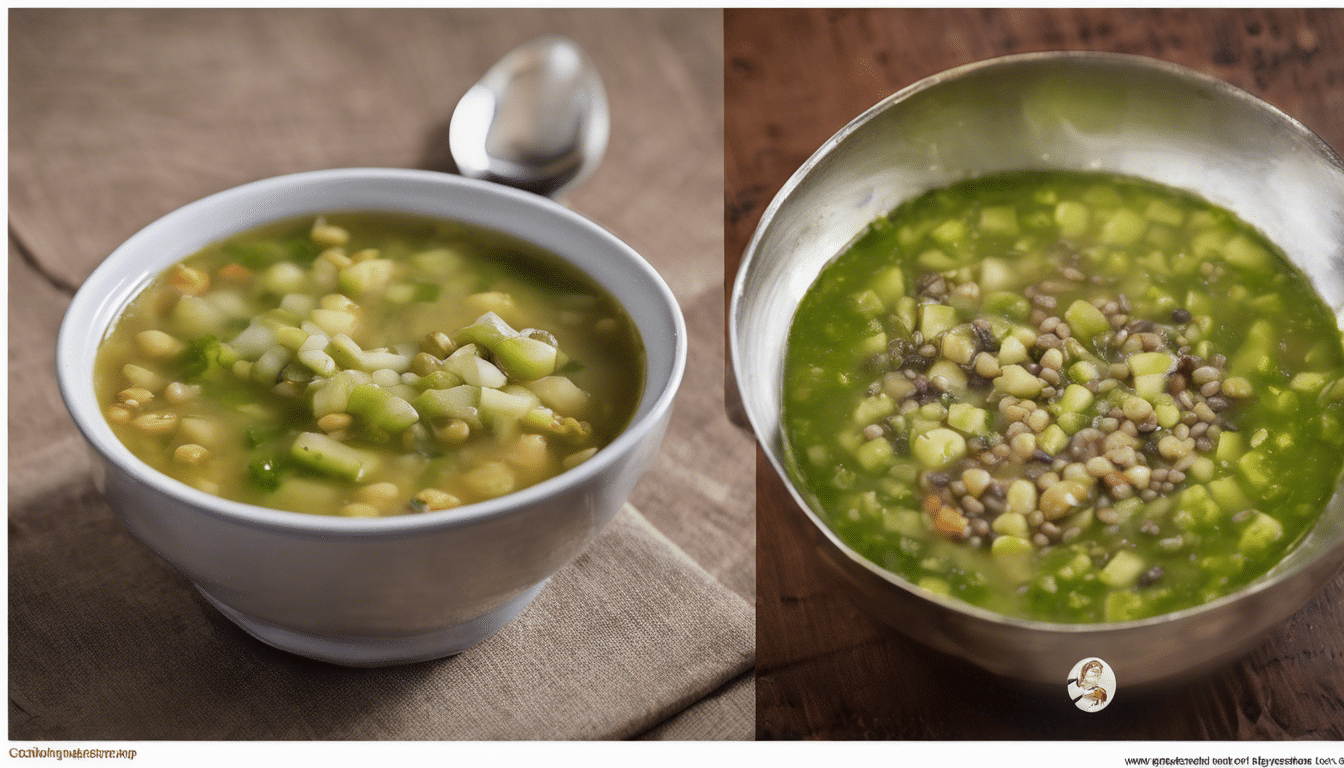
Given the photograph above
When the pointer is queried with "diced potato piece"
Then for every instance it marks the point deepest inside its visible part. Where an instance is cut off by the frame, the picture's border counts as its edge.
(1123, 570)
(1012, 351)
(947, 375)
(366, 277)
(938, 447)
(889, 285)
(873, 409)
(871, 345)
(868, 303)
(1072, 217)
(1245, 252)
(1123, 605)
(999, 219)
(1076, 399)
(936, 318)
(1124, 227)
(876, 455)
(996, 275)
(1254, 468)
(1012, 524)
(561, 395)
(1150, 386)
(968, 419)
(1147, 363)
(1017, 382)
(1053, 439)
(1260, 534)
(958, 347)
(1085, 320)
(193, 316)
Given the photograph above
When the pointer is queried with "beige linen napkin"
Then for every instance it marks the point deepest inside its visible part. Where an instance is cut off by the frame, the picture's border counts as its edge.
(107, 641)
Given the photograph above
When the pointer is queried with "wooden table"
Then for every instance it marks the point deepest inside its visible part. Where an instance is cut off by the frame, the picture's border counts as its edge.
(119, 116)
(825, 670)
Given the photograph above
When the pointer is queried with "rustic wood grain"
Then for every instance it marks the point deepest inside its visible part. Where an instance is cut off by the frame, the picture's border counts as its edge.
(826, 670)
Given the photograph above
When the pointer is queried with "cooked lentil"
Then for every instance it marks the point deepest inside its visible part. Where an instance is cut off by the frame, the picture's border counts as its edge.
(1141, 399)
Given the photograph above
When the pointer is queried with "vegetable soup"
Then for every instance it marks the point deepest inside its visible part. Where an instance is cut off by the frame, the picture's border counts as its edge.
(1065, 396)
(369, 364)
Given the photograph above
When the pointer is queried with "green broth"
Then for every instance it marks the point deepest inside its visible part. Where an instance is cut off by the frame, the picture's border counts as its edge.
(366, 364)
(1119, 306)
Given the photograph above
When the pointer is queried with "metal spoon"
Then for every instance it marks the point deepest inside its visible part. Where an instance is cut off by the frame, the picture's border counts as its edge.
(537, 120)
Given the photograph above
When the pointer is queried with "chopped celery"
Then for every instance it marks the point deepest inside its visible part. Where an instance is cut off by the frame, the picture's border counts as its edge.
(327, 456)
(460, 402)
(497, 406)
(474, 370)
(381, 408)
(525, 359)
(488, 330)
(561, 394)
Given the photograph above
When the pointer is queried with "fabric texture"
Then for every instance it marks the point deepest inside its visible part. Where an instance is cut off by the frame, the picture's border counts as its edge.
(108, 641)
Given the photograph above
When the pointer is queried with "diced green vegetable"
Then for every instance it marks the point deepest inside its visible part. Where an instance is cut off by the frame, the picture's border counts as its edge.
(876, 455)
(1262, 532)
(1085, 320)
(460, 402)
(1122, 570)
(938, 447)
(525, 359)
(936, 318)
(381, 408)
(322, 454)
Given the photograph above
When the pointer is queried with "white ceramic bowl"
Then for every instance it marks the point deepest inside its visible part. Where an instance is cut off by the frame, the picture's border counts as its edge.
(369, 592)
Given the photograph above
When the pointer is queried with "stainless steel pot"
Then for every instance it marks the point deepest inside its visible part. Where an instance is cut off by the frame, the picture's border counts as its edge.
(1075, 111)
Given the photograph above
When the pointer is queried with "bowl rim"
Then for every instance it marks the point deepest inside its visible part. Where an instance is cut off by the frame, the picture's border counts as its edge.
(775, 448)
(116, 281)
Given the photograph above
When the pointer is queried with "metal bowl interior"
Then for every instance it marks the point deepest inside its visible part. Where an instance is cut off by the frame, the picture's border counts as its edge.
(1070, 111)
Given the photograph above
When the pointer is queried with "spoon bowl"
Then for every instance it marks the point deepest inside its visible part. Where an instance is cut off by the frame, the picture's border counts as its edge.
(537, 120)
